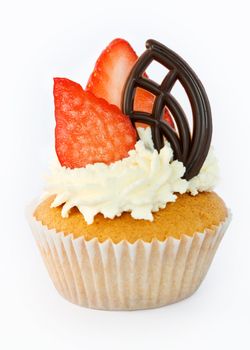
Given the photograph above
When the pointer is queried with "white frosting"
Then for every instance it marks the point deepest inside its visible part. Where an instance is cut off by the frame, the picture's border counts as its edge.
(142, 183)
(208, 176)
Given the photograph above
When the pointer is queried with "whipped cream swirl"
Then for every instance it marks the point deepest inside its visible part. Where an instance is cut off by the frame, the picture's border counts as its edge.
(141, 184)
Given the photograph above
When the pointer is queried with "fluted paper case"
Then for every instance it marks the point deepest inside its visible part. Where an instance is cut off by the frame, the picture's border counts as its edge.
(126, 276)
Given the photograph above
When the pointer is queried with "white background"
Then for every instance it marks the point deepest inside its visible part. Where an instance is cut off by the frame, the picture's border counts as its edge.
(43, 39)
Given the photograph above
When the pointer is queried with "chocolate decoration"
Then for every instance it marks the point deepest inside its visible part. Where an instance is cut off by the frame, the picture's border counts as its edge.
(189, 149)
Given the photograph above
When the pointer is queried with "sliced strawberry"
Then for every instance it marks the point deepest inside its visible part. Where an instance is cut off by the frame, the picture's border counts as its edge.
(111, 71)
(144, 102)
(88, 129)
(110, 75)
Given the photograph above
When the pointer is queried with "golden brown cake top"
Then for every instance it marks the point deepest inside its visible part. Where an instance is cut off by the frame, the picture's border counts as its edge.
(188, 215)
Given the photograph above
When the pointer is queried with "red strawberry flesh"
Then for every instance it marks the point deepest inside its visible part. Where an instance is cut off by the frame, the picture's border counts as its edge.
(110, 75)
(89, 129)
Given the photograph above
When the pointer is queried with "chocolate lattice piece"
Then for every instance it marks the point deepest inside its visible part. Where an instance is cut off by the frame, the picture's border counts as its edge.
(189, 148)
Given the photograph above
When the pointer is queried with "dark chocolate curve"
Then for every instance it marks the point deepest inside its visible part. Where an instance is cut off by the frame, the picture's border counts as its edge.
(192, 151)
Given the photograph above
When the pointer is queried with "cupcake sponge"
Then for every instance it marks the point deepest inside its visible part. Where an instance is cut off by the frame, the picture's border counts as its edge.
(188, 215)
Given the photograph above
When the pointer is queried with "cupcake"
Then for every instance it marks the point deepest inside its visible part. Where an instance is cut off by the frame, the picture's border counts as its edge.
(129, 218)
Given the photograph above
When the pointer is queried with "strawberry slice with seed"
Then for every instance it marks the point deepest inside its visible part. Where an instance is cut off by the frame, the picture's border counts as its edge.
(89, 129)
(110, 75)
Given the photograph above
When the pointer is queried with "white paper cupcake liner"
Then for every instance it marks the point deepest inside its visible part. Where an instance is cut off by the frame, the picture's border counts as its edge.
(126, 276)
